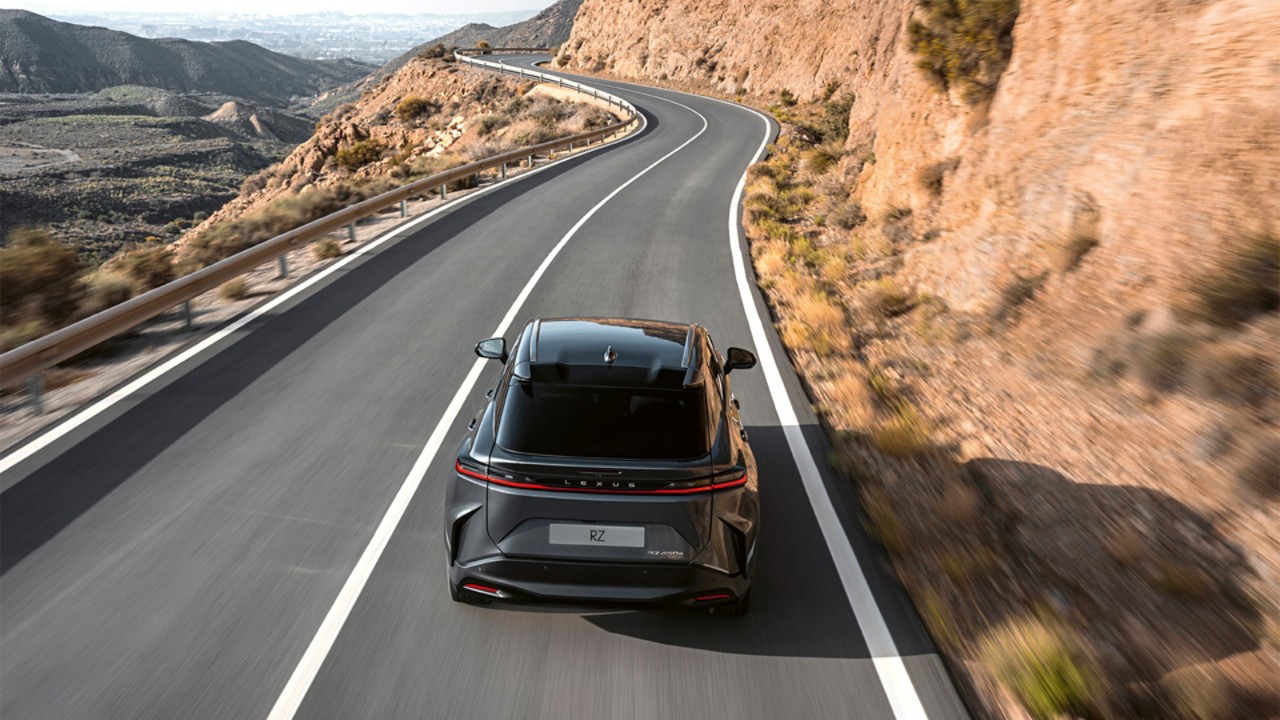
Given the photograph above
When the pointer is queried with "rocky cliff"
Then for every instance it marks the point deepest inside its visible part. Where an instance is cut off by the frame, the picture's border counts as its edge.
(1154, 126)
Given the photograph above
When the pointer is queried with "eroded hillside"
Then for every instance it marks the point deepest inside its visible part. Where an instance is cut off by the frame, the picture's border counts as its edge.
(1025, 256)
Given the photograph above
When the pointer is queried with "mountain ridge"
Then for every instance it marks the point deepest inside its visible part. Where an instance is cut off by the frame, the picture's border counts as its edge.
(41, 55)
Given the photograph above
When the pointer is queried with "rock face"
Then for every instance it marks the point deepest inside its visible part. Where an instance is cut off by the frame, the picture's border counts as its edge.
(1154, 127)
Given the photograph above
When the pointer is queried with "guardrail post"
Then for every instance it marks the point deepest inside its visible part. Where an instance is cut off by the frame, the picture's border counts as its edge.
(530, 161)
(35, 393)
(283, 262)
(404, 208)
(444, 193)
(475, 179)
(351, 232)
(188, 317)
(504, 171)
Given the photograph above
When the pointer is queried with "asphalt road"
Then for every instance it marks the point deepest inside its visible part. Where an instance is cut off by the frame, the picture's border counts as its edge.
(175, 556)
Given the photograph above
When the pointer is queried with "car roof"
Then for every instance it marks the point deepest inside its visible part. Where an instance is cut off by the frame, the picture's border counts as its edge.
(610, 351)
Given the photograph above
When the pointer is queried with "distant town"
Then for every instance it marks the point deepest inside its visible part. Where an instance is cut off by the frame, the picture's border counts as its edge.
(373, 38)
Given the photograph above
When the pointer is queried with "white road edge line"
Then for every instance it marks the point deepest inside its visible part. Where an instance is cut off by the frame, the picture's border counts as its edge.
(899, 688)
(53, 434)
(309, 666)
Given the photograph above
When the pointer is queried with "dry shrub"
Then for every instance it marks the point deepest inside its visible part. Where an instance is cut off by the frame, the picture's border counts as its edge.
(1244, 283)
(1179, 578)
(852, 402)
(1234, 374)
(964, 44)
(1068, 255)
(40, 283)
(882, 520)
(1257, 470)
(1161, 361)
(148, 267)
(825, 330)
(1044, 667)
(326, 249)
(414, 107)
(771, 261)
(847, 215)
(905, 434)
(962, 564)
(831, 265)
(1125, 545)
(105, 289)
(486, 124)
(234, 289)
(822, 158)
(1014, 294)
(959, 505)
(357, 155)
(931, 176)
(884, 298)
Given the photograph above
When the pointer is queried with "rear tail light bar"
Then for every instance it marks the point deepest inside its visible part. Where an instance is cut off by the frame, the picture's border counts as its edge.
(714, 596)
(482, 589)
(721, 482)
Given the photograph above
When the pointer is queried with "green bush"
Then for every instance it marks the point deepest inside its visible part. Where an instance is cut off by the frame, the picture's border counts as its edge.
(1042, 668)
(965, 44)
(356, 156)
(1245, 282)
(39, 280)
(413, 107)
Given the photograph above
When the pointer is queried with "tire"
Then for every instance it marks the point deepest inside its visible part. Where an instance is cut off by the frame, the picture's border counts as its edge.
(737, 608)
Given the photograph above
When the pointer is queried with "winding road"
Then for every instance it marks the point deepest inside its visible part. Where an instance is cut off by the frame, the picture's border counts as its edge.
(256, 533)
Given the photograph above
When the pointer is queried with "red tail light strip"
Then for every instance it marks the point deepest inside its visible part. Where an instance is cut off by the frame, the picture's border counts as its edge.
(736, 482)
(481, 588)
(708, 598)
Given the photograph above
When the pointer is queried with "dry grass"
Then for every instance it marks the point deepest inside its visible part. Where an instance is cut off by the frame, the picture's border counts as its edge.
(1071, 252)
(820, 322)
(852, 401)
(820, 159)
(1234, 374)
(884, 298)
(1181, 579)
(234, 289)
(1257, 469)
(1162, 361)
(1042, 665)
(105, 289)
(1244, 282)
(904, 434)
(931, 176)
(1200, 694)
(882, 520)
(326, 249)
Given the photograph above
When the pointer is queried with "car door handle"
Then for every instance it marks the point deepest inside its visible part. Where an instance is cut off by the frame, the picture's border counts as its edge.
(471, 425)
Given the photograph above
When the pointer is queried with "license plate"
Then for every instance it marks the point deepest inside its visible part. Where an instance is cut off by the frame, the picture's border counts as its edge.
(603, 535)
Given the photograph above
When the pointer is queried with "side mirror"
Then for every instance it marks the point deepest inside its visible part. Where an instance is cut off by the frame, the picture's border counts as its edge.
(739, 358)
(493, 349)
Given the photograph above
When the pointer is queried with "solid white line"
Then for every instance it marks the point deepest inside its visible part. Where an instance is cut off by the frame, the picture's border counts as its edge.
(903, 698)
(300, 682)
(76, 420)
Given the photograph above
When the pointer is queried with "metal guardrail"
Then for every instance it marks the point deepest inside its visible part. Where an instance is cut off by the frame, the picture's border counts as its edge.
(26, 362)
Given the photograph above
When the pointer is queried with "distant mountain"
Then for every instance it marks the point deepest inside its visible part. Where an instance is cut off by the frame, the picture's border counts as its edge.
(40, 55)
(548, 28)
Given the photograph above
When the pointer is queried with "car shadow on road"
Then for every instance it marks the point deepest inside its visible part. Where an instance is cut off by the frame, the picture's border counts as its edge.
(37, 507)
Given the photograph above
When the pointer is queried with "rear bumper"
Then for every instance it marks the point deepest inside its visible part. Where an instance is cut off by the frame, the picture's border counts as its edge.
(631, 583)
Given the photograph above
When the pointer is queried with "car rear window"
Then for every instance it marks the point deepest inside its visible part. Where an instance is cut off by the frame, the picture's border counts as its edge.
(603, 422)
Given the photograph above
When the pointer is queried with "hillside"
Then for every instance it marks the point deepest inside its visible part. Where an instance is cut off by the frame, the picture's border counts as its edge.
(41, 55)
(1025, 255)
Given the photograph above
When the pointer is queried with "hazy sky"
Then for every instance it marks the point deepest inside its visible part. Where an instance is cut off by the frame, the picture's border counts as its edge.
(282, 7)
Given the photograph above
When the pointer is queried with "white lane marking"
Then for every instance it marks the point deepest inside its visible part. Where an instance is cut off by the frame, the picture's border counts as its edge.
(309, 666)
(80, 418)
(903, 698)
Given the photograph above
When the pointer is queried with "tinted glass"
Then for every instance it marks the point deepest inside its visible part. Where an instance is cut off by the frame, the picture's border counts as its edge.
(603, 422)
